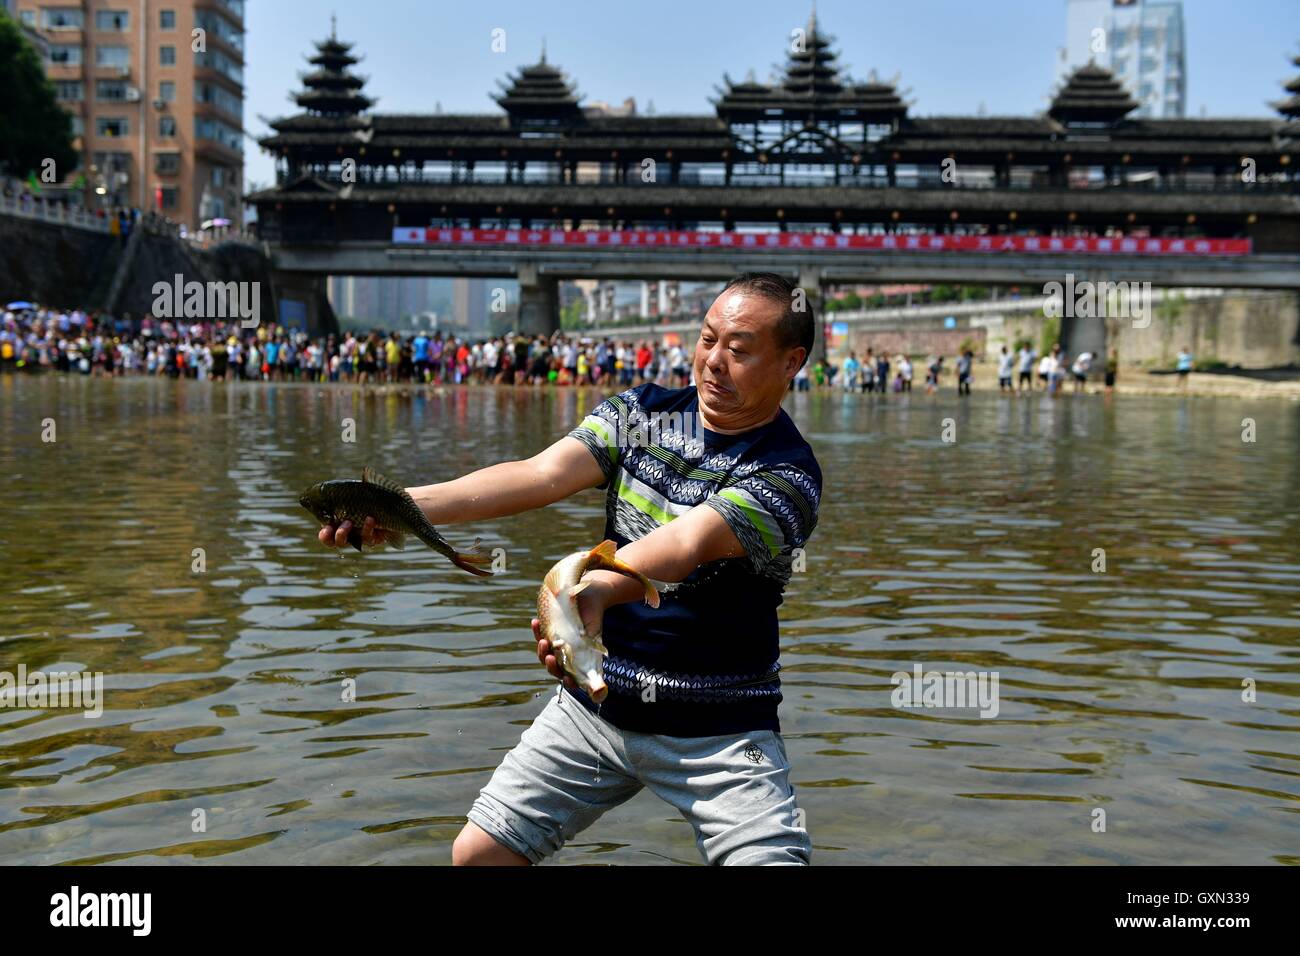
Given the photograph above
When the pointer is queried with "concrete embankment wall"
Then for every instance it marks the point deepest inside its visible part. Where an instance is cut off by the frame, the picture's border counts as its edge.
(67, 268)
(162, 258)
(1252, 329)
(55, 265)
(1249, 328)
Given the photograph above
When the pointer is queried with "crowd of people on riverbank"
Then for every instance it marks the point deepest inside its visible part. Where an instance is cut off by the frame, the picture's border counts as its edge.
(75, 341)
(873, 372)
(89, 343)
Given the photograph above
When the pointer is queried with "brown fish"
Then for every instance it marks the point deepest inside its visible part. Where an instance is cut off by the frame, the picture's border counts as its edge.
(581, 655)
(394, 511)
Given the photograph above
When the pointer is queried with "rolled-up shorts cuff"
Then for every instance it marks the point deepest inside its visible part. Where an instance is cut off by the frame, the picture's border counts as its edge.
(507, 827)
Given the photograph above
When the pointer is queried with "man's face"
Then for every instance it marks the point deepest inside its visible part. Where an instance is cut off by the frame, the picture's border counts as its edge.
(741, 372)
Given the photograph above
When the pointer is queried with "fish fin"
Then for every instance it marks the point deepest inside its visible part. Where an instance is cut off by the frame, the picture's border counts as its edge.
(604, 550)
(578, 588)
(372, 477)
(354, 538)
(598, 644)
(602, 558)
(396, 539)
(472, 559)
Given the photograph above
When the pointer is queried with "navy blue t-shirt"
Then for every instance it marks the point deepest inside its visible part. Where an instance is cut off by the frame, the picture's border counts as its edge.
(705, 661)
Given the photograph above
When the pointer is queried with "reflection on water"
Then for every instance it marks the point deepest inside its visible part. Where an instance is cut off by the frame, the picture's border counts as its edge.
(1119, 690)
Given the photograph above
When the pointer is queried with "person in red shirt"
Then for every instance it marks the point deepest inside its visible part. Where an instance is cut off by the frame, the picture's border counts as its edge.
(643, 357)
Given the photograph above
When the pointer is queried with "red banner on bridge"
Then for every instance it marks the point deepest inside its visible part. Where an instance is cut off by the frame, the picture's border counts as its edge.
(819, 242)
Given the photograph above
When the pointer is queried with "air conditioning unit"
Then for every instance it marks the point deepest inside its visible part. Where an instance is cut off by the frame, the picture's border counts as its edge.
(132, 94)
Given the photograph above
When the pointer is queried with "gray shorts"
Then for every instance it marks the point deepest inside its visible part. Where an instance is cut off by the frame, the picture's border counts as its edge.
(734, 790)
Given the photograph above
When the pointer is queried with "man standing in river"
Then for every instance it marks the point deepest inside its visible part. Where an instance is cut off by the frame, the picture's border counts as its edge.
(721, 503)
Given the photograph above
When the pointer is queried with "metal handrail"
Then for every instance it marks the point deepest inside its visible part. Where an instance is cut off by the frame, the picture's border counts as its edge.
(768, 181)
(25, 206)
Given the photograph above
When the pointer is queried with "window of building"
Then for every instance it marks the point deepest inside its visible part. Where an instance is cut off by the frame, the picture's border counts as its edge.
(220, 27)
(167, 91)
(167, 55)
(112, 126)
(166, 127)
(167, 163)
(215, 60)
(62, 18)
(112, 21)
(171, 197)
(167, 19)
(78, 126)
(110, 91)
(28, 17)
(221, 98)
(207, 128)
(112, 55)
(65, 55)
(70, 91)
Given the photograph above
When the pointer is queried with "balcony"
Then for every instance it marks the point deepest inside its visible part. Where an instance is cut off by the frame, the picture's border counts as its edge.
(233, 10)
(217, 151)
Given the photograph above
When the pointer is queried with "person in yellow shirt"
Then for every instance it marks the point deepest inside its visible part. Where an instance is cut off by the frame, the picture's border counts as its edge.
(583, 367)
(393, 354)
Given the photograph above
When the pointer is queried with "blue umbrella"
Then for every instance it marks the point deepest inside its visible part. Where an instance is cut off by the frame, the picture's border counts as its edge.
(20, 305)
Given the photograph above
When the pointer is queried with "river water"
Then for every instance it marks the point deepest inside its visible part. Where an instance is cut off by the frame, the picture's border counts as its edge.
(1120, 692)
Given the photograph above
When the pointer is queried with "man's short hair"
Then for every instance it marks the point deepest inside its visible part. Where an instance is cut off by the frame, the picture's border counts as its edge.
(794, 327)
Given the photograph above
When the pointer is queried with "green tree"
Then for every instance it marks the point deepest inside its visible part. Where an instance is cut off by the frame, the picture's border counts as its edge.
(33, 127)
(571, 315)
(1049, 335)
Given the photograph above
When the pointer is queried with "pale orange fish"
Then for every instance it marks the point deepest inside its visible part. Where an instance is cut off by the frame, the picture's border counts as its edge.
(581, 655)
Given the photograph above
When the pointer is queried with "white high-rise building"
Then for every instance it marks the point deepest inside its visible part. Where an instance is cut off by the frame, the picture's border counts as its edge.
(1140, 41)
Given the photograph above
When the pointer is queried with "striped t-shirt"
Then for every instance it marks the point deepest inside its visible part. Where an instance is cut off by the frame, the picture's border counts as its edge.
(705, 661)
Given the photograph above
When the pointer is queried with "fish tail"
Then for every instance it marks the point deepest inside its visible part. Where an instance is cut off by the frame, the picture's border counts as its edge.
(472, 560)
(602, 558)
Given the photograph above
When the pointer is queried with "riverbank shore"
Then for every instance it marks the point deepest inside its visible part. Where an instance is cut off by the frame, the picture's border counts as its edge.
(1128, 382)
(1136, 381)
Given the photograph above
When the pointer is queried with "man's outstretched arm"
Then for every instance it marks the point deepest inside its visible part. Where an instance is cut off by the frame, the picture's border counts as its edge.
(508, 488)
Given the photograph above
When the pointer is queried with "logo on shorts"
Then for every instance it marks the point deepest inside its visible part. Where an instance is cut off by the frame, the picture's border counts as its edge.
(754, 754)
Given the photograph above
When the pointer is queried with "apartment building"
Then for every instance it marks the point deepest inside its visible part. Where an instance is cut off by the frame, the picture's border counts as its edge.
(1140, 41)
(156, 91)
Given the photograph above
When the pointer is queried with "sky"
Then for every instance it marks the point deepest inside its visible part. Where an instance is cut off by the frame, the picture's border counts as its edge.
(953, 57)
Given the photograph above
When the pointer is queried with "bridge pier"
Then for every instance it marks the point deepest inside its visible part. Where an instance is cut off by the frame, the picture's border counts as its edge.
(539, 302)
(1080, 334)
(302, 302)
(810, 280)
(1088, 333)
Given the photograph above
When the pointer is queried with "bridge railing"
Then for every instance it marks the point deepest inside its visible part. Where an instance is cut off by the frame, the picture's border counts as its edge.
(717, 180)
(25, 206)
